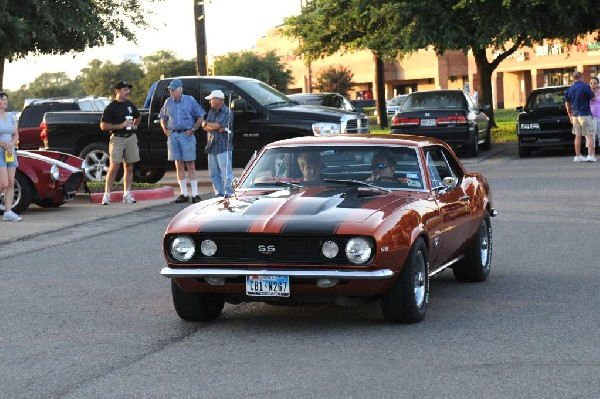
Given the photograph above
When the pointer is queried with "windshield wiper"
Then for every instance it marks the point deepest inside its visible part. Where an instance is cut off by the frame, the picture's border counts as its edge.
(357, 183)
(279, 103)
(278, 184)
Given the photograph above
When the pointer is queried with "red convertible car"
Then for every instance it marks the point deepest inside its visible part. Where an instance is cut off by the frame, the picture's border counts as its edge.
(343, 219)
(46, 178)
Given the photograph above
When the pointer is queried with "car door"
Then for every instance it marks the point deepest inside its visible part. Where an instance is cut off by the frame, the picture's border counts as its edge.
(452, 200)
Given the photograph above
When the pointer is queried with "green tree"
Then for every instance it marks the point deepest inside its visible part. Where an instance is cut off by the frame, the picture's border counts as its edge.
(59, 27)
(337, 80)
(393, 28)
(267, 68)
(99, 78)
(44, 86)
(164, 63)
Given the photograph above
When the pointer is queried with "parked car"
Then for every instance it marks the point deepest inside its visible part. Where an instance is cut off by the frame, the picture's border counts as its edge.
(543, 122)
(449, 115)
(394, 103)
(33, 113)
(342, 237)
(45, 178)
(333, 100)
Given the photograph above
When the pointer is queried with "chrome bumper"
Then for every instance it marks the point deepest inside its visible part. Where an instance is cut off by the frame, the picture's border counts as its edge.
(316, 274)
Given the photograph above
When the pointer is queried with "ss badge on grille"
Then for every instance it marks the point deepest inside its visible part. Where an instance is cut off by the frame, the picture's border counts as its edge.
(266, 249)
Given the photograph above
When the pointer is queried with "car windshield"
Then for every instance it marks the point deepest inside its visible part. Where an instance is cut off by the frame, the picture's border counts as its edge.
(392, 167)
(398, 100)
(546, 99)
(433, 100)
(263, 93)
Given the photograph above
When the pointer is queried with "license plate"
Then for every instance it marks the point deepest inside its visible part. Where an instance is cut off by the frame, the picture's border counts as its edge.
(427, 122)
(268, 285)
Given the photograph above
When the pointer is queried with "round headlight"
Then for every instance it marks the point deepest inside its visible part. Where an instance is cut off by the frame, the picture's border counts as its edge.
(358, 250)
(54, 172)
(330, 249)
(183, 248)
(208, 247)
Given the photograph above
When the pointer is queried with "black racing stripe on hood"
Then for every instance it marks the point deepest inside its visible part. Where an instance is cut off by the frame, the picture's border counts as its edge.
(225, 226)
(323, 227)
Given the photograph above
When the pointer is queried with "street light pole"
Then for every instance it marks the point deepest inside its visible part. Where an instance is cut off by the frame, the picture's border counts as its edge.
(201, 55)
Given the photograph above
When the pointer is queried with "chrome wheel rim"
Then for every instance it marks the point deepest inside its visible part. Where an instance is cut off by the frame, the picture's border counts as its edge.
(484, 246)
(97, 165)
(419, 283)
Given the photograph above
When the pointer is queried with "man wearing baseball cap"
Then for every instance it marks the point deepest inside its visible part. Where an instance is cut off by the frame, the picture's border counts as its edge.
(180, 117)
(219, 138)
(121, 118)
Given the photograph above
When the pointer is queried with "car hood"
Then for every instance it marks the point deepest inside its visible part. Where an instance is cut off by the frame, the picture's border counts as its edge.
(38, 156)
(319, 210)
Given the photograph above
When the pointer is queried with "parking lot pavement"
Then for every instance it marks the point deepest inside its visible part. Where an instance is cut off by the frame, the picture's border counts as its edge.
(37, 221)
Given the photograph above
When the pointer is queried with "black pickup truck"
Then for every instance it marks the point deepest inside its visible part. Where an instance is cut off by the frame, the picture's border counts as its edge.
(261, 115)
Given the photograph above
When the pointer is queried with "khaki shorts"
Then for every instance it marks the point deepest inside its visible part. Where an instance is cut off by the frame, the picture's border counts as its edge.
(596, 126)
(124, 149)
(582, 126)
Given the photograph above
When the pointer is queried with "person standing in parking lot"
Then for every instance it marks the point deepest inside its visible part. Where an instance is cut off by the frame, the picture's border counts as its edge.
(8, 158)
(595, 108)
(121, 118)
(180, 117)
(219, 144)
(577, 103)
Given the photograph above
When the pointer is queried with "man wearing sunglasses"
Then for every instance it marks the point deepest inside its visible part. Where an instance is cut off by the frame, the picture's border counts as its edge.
(383, 167)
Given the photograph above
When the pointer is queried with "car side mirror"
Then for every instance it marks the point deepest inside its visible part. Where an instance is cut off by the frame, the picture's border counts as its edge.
(485, 107)
(239, 105)
(520, 108)
(449, 182)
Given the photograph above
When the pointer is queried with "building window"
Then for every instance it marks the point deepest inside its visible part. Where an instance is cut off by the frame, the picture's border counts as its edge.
(595, 71)
(558, 77)
(465, 78)
(452, 79)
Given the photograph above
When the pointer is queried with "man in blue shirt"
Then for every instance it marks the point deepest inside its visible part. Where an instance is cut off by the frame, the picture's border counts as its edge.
(577, 103)
(180, 117)
(219, 147)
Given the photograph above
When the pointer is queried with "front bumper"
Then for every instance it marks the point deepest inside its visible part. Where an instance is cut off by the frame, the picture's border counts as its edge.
(381, 274)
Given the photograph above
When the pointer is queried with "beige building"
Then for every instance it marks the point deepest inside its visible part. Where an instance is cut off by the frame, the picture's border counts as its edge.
(529, 68)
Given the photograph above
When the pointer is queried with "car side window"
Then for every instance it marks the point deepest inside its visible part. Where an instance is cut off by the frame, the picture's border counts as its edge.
(207, 88)
(440, 165)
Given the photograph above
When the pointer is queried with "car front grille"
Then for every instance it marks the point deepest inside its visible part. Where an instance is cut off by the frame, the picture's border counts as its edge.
(72, 184)
(355, 126)
(268, 249)
(555, 126)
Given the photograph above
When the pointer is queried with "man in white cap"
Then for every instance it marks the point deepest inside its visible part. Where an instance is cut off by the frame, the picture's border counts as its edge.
(219, 147)
(180, 117)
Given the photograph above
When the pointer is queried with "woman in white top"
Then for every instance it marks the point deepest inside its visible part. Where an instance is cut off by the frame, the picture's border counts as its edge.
(8, 158)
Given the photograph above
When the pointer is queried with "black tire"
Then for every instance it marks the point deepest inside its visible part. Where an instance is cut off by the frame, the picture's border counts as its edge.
(97, 160)
(473, 146)
(524, 152)
(192, 306)
(406, 301)
(46, 203)
(23, 193)
(148, 175)
(487, 144)
(475, 266)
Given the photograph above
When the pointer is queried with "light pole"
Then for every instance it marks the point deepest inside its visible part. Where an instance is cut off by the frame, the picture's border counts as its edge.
(201, 55)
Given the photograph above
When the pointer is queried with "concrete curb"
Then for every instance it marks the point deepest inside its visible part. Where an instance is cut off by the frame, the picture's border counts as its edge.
(140, 195)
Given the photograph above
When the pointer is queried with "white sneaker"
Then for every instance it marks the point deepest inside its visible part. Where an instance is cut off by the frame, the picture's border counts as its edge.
(11, 216)
(591, 158)
(106, 199)
(579, 158)
(128, 199)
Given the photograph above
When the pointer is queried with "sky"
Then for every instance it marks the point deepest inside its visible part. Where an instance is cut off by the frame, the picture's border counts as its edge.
(231, 25)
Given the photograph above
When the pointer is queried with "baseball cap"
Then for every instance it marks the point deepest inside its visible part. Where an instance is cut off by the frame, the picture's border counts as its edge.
(215, 94)
(122, 85)
(175, 84)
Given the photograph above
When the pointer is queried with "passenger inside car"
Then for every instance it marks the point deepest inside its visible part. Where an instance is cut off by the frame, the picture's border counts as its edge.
(310, 165)
(383, 168)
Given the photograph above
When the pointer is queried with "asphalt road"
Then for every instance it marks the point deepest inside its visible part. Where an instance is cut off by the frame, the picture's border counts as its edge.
(88, 315)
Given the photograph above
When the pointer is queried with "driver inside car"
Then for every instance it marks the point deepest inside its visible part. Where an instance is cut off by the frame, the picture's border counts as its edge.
(383, 167)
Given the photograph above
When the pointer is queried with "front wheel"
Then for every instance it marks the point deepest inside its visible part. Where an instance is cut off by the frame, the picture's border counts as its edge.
(23, 193)
(193, 306)
(148, 175)
(97, 160)
(475, 266)
(473, 146)
(487, 144)
(406, 301)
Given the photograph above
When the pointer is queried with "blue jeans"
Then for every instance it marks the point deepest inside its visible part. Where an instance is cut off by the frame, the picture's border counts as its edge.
(221, 175)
